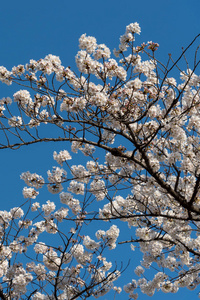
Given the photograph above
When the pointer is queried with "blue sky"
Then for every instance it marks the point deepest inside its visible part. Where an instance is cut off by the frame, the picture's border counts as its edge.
(33, 29)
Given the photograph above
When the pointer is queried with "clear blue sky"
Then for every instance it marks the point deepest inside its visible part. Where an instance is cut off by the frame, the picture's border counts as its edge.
(33, 29)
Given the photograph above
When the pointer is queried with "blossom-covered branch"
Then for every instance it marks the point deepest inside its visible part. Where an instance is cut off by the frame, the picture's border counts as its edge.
(146, 124)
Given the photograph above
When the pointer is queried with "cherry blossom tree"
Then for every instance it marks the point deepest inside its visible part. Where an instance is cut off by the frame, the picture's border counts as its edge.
(138, 128)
